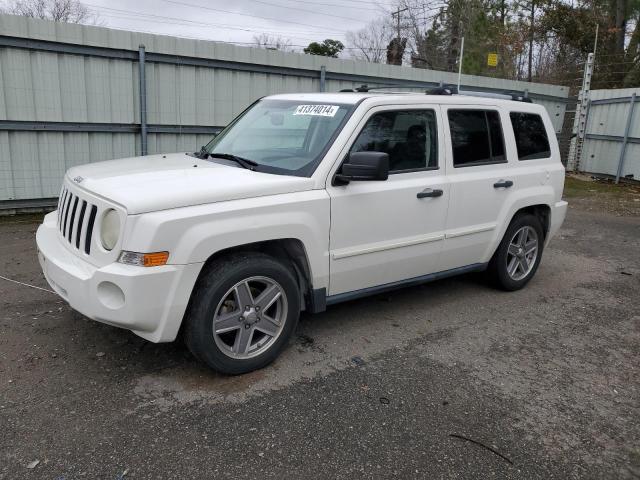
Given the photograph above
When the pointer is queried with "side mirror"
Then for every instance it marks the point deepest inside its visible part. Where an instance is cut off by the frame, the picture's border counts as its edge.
(363, 166)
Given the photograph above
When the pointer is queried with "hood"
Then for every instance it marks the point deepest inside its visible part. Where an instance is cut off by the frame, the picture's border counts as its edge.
(160, 182)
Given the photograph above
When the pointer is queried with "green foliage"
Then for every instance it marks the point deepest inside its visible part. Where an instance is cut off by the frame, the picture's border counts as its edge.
(574, 28)
(328, 48)
(481, 22)
(547, 39)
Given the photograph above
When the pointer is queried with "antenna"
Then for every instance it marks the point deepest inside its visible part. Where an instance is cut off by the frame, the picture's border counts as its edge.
(460, 62)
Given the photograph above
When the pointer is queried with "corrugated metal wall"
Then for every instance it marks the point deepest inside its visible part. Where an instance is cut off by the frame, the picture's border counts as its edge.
(606, 124)
(41, 84)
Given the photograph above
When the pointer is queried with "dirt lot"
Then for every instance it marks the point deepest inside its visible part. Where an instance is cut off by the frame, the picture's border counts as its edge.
(387, 387)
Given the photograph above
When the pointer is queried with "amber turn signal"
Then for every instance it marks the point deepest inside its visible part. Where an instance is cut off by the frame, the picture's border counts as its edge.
(155, 259)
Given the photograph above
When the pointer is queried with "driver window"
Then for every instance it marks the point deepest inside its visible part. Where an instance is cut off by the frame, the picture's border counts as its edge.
(408, 136)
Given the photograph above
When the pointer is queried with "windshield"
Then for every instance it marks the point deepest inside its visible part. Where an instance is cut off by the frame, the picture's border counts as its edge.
(282, 136)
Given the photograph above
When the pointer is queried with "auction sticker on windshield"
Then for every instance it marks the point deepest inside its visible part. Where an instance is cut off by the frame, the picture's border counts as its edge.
(318, 110)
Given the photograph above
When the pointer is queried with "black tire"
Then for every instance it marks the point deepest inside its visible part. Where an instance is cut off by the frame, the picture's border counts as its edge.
(214, 283)
(497, 270)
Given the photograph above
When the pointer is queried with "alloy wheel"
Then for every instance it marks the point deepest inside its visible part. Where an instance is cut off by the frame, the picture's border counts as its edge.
(522, 253)
(250, 317)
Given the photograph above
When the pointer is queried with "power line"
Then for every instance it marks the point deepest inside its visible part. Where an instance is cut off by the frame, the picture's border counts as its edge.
(204, 37)
(178, 19)
(380, 6)
(369, 2)
(151, 18)
(307, 11)
(176, 2)
(171, 21)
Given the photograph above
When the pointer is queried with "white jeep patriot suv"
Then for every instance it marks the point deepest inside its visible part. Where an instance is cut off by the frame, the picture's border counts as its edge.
(303, 201)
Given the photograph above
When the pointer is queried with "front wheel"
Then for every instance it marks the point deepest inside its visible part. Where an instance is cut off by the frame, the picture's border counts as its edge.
(517, 258)
(243, 312)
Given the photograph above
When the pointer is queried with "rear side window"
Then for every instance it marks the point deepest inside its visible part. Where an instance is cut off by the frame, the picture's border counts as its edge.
(531, 136)
(476, 137)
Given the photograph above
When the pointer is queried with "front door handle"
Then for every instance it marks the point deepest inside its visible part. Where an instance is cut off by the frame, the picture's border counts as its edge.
(430, 192)
(503, 184)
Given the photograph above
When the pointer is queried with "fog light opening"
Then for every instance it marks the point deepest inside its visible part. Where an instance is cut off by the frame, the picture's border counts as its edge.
(111, 295)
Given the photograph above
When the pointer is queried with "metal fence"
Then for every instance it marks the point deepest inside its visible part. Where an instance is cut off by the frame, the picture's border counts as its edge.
(611, 138)
(74, 94)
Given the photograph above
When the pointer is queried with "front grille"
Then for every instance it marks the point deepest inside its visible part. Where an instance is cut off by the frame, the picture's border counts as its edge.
(76, 218)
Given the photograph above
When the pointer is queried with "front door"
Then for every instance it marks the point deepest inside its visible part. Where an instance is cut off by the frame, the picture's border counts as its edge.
(389, 231)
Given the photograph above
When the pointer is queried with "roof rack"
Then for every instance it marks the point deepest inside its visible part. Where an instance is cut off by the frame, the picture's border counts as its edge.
(516, 97)
(450, 90)
(364, 88)
(442, 90)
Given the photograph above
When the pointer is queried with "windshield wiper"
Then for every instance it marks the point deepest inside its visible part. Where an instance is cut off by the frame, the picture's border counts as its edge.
(202, 153)
(243, 162)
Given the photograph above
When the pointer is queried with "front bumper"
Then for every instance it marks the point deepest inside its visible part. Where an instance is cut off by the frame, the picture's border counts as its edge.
(148, 301)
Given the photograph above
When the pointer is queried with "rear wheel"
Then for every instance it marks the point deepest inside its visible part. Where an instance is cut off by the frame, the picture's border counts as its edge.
(243, 312)
(517, 258)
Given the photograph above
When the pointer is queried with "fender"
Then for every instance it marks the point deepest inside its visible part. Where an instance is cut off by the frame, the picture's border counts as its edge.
(193, 234)
(521, 198)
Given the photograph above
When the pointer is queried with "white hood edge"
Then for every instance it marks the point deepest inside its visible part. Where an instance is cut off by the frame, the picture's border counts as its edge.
(161, 182)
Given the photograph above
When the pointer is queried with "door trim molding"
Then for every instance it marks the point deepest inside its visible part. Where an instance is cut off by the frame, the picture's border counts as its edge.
(382, 246)
(461, 232)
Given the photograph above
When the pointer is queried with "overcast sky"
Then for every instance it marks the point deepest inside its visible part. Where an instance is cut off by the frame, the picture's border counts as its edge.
(301, 21)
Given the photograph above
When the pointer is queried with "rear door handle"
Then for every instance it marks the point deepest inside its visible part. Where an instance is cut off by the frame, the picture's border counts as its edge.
(430, 192)
(503, 184)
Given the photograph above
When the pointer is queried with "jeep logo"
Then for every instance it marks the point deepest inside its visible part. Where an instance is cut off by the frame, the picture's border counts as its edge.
(78, 179)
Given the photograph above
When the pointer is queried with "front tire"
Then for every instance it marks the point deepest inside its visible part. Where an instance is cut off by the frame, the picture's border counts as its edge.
(244, 309)
(516, 260)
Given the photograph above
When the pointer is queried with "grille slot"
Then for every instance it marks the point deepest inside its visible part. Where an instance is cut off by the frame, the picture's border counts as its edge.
(80, 219)
(63, 197)
(66, 214)
(73, 217)
(92, 218)
(75, 226)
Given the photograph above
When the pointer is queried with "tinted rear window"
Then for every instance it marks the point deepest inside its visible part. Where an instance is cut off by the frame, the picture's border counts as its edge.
(531, 136)
(476, 137)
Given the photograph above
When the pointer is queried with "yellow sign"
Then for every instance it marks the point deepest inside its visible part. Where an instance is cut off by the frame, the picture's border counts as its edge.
(492, 60)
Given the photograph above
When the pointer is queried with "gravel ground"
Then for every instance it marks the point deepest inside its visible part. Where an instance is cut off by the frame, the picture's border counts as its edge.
(447, 380)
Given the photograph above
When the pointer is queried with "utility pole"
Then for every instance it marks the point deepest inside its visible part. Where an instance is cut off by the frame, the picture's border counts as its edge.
(533, 18)
(460, 63)
(397, 14)
(395, 50)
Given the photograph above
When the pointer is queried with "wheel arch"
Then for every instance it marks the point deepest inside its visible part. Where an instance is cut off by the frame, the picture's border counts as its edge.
(540, 210)
(290, 251)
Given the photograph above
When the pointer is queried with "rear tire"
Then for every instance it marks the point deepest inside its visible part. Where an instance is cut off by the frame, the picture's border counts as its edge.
(243, 311)
(516, 260)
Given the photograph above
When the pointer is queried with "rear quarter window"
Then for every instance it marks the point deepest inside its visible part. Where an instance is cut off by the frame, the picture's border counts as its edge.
(530, 135)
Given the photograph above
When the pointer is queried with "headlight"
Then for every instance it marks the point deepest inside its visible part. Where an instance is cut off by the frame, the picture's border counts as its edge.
(110, 229)
(156, 259)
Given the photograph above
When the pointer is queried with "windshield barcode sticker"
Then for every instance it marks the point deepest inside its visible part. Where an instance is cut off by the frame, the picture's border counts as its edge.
(319, 110)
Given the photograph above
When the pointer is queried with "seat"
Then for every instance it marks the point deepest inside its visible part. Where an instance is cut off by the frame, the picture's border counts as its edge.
(410, 155)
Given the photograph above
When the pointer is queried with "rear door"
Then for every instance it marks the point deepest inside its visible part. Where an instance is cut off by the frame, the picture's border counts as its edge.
(481, 179)
(389, 231)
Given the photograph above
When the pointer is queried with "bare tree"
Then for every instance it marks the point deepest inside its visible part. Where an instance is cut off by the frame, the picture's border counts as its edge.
(270, 42)
(69, 11)
(370, 43)
(417, 20)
